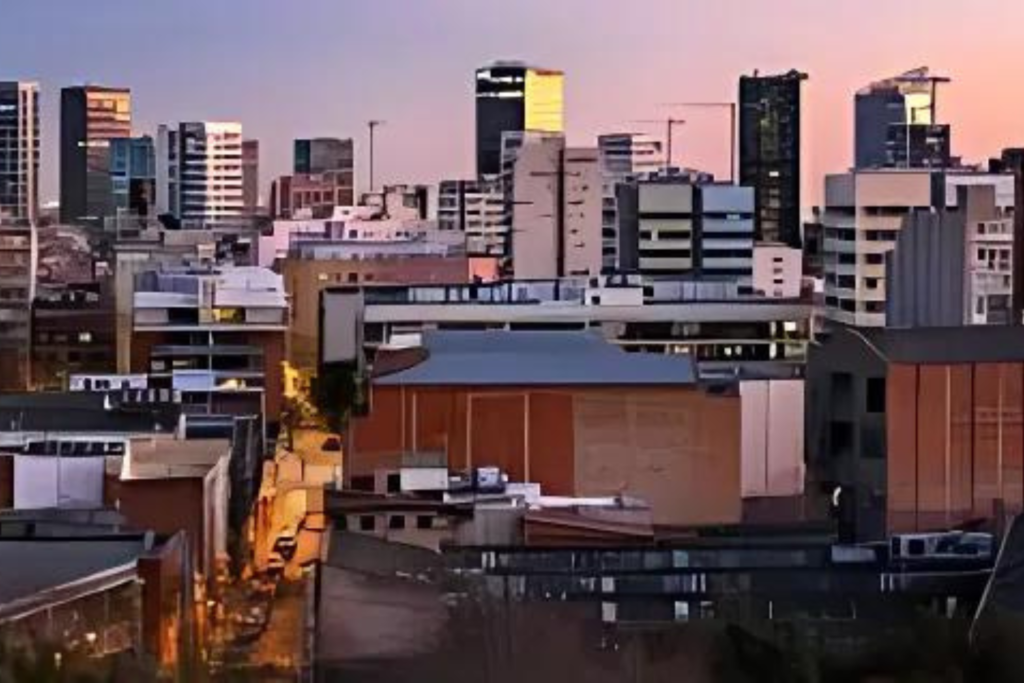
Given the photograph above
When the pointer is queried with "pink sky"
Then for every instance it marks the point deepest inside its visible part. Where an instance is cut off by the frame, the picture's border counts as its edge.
(323, 67)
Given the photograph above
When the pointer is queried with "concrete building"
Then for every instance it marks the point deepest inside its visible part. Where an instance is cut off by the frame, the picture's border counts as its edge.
(625, 157)
(723, 330)
(216, 335)
(673, 227)
(401, 202)
(19, 151)
(953, 267)
(199, 173)
(554, 207)
(315, 156)
(90, 117)
(251, 177)
(770, 152)
(863, 215)
(565, 410)
(133, 177)
(512, 97)
(919, 429)
(477, 210)
(778, 271)
(895, 126)
(772, 429)
(357, 250)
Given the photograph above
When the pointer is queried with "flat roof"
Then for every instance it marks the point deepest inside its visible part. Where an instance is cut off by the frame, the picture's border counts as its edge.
(967, 344)
(517, 358)
(174, 458)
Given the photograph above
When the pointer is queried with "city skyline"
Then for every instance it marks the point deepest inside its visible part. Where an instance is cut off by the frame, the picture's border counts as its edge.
(330, 68)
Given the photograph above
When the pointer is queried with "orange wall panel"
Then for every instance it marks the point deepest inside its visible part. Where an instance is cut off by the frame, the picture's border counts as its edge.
(901, 428)
(552, 442)
(989, 448)
(933, 431)
(961, 446)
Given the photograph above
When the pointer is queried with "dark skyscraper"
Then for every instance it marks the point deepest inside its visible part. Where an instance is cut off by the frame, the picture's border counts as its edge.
(90, 117)
(19, 151)
(323, 155)
(770, 152)
(513, 97)
(895, 123)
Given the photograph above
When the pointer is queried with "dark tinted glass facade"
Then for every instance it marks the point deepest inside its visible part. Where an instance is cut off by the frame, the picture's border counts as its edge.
(770, 153)
(90, 117)
(324, 155)
(500, 107)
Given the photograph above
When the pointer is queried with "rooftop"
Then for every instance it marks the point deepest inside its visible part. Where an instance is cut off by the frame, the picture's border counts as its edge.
(536, 358)
(173, 458)
(968, 344)
(79, 411)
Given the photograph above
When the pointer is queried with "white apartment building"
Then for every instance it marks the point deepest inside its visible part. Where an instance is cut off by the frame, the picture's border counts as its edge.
(778, 271)
(475, 209)
(199, 172)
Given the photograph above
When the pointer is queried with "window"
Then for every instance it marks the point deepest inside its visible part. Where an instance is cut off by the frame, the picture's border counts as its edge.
(363, 483)
(394, 483)
(85, 337)
(871, 282)
(876, 395)
(353, 277)
(367, 523)
(424, 522)
(396, 522)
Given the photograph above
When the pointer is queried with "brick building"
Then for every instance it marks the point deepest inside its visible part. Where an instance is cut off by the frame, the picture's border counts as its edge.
(565, 410)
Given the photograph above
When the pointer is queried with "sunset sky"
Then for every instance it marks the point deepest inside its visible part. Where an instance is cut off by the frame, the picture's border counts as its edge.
(296, 68)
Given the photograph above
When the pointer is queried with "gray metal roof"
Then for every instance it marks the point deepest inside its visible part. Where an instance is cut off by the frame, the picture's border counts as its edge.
(519, 358)
(973, 343)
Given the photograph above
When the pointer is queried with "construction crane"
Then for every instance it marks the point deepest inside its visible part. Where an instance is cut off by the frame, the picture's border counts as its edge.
(670, 126)
(731, 106)
(373, 124)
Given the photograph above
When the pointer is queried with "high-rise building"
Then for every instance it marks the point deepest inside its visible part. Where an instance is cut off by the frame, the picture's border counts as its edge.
(770, 149)
(315, 195)
(90, 117)
(133, 176)
(251, 176)
(19, 249)
(553, 207)
(19, 151)
(895, 123)
(199, 171)
(513, 97)
(323, 155)
(624, 157)
(687, 226)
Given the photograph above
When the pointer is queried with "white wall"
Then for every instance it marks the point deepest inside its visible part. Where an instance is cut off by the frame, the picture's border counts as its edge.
(48, 482)
(778, 270)
(772, 438)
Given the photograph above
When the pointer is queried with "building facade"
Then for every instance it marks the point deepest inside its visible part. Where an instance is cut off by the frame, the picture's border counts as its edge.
(90, 117)
(476, 209)
(323, 155)
(18, 258)
(953, 267)
(679, 226)
(624, 157)
(770, 152)
(513, 97)
(200, 172)
(133, 176)
(895, 127)
(862, 218)
(215, 335)
(317, 195)
(19, 151)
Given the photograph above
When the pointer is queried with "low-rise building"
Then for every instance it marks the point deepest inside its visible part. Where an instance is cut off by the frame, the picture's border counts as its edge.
(216, 335)
(917, 429)
(566, 410)
(713, 322)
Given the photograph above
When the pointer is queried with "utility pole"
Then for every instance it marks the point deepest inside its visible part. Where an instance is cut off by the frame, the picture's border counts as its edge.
(373, 124)
(731, 106)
